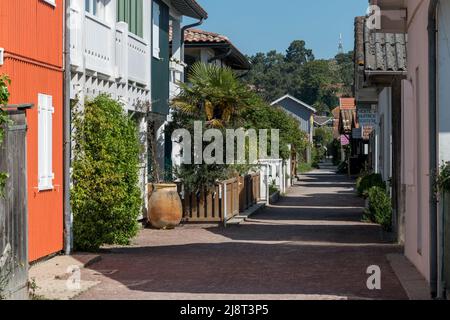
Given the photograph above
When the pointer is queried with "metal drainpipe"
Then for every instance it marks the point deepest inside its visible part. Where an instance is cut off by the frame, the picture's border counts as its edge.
(68, 239)
(225, 207)
(432, 31)
(186, 27)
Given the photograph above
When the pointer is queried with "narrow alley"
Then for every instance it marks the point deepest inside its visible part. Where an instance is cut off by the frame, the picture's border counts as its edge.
(310, 245)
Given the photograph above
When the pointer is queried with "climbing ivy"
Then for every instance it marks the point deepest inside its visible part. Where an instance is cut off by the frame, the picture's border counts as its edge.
(4, 98)
(105, 196)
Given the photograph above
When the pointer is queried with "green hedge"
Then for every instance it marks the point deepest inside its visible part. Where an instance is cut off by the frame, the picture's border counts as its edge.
(365, 182)
(105, 197)
(380, 208)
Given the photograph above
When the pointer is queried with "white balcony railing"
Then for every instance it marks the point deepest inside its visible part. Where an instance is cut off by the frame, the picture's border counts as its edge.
(99, 50)
(138, 64)
(108, 49)
(176, 76)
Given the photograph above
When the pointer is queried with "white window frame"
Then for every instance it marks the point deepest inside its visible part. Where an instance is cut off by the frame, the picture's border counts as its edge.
(100, 9)
(45, 142)
(156, 21)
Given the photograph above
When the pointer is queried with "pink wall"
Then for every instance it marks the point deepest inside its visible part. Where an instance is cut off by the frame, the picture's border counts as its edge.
(416, 146)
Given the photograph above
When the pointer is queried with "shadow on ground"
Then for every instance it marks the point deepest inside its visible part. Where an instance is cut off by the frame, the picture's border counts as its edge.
(311, 243)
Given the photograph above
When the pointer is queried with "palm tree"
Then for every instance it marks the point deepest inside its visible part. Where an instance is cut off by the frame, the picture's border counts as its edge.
(215, 93)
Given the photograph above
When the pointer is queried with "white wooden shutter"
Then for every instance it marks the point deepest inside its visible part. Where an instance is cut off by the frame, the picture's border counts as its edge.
(45, 148)
(155, 37)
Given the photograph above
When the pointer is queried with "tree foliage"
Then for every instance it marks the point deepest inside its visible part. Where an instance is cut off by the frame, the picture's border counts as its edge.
(214, 93)
(318, 82)
(105, 196)
(4, 98)
(217, 98)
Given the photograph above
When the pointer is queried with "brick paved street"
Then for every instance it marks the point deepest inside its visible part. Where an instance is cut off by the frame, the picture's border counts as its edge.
(311, 245)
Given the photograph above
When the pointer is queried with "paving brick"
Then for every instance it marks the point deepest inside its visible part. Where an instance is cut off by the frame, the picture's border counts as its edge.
(310, 245)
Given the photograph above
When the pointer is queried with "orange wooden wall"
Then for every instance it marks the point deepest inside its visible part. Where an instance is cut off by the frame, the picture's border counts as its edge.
(31, 32)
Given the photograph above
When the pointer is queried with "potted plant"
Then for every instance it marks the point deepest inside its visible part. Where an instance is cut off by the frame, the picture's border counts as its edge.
(165, 209)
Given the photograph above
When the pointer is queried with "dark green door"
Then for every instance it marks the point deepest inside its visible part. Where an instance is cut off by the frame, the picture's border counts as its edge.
(160, 58)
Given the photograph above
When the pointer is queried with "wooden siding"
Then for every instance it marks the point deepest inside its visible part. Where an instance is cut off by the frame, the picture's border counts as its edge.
(13, 208)
(33, 29)
(31, 32)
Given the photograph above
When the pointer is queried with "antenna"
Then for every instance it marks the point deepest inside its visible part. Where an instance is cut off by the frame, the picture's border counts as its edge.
(341, 44)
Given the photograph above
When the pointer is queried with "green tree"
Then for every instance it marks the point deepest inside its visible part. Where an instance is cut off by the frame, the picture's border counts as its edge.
(218, 99)
(298, 53)
(346, 65)
(317, 82)
(4, 98)
(105, 196)
(213, 92)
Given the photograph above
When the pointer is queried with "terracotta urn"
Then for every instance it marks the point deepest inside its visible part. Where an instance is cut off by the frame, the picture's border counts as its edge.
(165, 209)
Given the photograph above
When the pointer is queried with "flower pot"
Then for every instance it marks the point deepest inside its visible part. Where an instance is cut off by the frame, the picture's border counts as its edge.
(165, 209)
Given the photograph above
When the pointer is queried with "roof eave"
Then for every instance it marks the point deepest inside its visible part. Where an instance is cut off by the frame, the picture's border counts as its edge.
(288, 96)
(190, 8)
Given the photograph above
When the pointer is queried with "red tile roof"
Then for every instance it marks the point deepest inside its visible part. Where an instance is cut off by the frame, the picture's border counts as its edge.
(201, 36)
(347, 103)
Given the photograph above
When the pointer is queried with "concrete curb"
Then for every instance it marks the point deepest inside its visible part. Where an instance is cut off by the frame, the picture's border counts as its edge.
(244, 216)
(415, 285)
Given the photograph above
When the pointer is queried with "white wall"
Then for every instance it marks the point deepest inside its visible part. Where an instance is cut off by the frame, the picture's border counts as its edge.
(416, 133)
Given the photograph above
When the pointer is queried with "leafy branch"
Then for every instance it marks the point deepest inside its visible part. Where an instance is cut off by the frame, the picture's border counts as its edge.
(4, 120)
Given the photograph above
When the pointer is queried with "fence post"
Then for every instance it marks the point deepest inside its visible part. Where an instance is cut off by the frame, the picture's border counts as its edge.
(224, 199)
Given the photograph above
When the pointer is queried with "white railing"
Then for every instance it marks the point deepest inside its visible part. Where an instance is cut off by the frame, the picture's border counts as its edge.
(176, 76)
(121, 52)
(76, 37)
(99, 49)
(138, 61)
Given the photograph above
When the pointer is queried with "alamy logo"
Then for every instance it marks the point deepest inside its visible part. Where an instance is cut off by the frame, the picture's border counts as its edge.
(373, 21)
(238, 146)
(374, 280)
(73, 283)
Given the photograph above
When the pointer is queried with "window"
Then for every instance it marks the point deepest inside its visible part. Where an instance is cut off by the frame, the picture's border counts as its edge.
(91, 6)
(132, 12)
(156, 22)
(96, 8)
(45, 117)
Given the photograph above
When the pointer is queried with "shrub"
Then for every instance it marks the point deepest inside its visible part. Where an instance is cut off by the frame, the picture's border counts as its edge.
(4, 98)
(367, 181)
(443, 178)
(106, 199)
(304, 167)
(273, 188)
(380, 208)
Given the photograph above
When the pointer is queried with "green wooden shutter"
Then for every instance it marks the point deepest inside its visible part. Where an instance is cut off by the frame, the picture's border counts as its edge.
(140, 18)
(131, 12)
(160, 66)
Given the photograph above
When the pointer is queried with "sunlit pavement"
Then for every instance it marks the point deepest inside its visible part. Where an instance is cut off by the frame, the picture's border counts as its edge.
(311, 245)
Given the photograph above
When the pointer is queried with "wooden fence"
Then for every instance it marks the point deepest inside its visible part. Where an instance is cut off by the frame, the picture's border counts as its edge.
(226, 201)
(13, 210)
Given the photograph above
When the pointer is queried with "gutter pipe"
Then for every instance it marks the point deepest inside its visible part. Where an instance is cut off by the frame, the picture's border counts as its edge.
(183, 30)
(432, 31)
(68, 218)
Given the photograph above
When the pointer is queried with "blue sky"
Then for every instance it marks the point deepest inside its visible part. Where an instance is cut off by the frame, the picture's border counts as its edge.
(263, 25)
